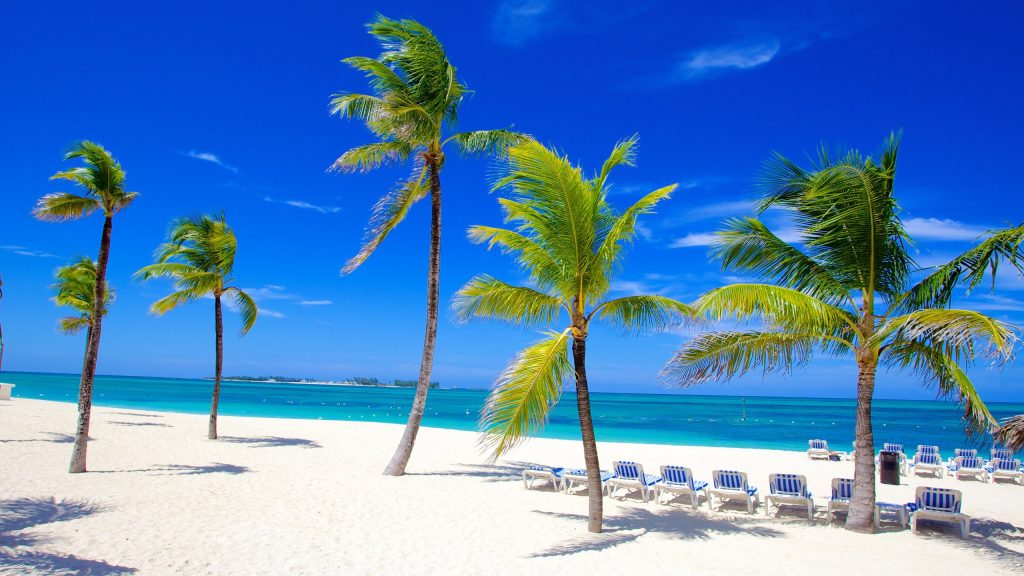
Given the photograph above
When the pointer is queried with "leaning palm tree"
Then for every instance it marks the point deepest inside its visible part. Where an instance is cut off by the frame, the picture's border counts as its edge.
(75, 288)
(199, 257)
(846, 292)
(102, 180)
(569, 240)
(412, 110)
(1011, 433)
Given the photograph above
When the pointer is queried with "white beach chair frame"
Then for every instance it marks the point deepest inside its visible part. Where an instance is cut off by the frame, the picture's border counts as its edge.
(542, 474)
(937, 470)
(962, 520)
(818, 453)
(961, 472)
(1015, 475)
(728, 494)
(677, 490)
(780, 499)
(841, 504)
(629, 484)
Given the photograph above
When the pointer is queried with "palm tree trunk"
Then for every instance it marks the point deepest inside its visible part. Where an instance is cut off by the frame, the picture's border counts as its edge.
(79, 451)
(218, 313)
(862, 504)
(396, 467)
(594, 492)
(85, 360)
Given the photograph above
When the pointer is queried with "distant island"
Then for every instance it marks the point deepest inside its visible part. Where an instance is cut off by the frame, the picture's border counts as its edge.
(354, 381)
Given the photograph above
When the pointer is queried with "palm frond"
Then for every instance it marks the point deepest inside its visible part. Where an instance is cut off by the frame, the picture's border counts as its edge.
(939, 369)
(62, 206)
(778, 306)
(722, 356)
(167, 270)
(382, 78)
(1011, 433)
(521, 399)
(968, 269)
(246, 308)
(371, 156)
(623, 228)
(389, 211)
(640, 314)
(530, 255)
(172, 301)
(70, 325)
(748, 245)
(488, 297)
(623, 154)
(955, 332)
(487, 142)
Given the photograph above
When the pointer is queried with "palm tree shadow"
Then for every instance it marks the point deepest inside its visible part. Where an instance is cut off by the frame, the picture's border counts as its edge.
(55, 438)
(632, 523)
(185, 469)
(509, 472)
(137, 414)
(994, 534)
(16, 553)
(121, 423)
(271, 441)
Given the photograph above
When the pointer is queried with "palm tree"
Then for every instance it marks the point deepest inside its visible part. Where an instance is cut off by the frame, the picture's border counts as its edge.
(199, 257)
(569, 240)
(413, 107)
(102, 180)
(847, 292)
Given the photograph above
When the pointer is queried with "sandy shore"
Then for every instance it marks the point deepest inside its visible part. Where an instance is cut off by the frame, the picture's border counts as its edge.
(281, 496)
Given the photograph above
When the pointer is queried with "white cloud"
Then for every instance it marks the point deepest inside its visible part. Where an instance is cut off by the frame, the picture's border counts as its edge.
(23, 251)
(209, 157)
(725, 58)
(305, 205)
(694, 239)
(269, 292)
(517, 21)
(643, 231)
(941, 229)
(316, 302)
(718, 210)
(271, 313)
(993, 302)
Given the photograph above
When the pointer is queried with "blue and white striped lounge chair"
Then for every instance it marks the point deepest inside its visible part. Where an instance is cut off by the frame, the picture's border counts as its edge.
(927, 463)
(818, 449)
(927, 449)
(898, 448)
(678, 481)
(732, 485)
(543, 474)
(631, 477)
(1000, 454)
(965, 452)
(1009, 469)
(578, 477)
(842, 491)
(942, 505)
(970, 467)
(788, 489)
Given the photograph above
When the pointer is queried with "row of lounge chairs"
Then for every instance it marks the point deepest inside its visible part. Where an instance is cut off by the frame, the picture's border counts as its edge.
(928, 461)
(940, 504)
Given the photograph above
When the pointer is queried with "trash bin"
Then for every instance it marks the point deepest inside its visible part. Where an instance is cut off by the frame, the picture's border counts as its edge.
(889, 467)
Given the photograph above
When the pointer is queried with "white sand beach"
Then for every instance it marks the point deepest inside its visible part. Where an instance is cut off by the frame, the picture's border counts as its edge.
(277, 496)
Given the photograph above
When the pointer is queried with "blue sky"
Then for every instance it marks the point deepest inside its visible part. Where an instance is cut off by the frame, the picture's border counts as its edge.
(214, 106)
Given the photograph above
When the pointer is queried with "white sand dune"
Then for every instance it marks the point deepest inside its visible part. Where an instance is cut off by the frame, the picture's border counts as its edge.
(279, 496)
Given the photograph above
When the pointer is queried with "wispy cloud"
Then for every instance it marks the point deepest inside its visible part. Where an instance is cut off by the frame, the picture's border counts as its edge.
(729, 208)
(316, 302)
(267, 312)
(518, 21)
(728, 58)
(269, 292)
(305, 205)
(994, 302)
(210, 157)
(942, 229)
(695, 239)
(23, 251)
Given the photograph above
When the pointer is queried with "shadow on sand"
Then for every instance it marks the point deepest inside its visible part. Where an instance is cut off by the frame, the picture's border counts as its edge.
(54, 437)
(271, 441)
(183, 470)
(16, 550)
(120, 423)
(629, 524)
(507, 472)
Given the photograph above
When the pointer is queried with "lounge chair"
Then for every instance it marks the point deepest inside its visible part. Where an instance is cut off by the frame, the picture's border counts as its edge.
(788, 489)
(630, 475)
(898, 448)
(1001, 454)
(578, 477)
(732, 485)
(927, 449)
(927, 463)
(970, 467)
(678, 481)
(818, 449)
(1008, 469)
(965, 452)
(842, 491)
(940, 504)
(543, 474)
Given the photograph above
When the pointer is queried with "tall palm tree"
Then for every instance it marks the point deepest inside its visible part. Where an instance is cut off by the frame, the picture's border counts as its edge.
(846, 292)
(199, 257)
(412, 110)
(102, 181)
(569, 240)
(75, 288)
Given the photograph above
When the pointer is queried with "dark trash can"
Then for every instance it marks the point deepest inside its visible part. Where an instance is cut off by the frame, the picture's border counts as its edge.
(889, 467)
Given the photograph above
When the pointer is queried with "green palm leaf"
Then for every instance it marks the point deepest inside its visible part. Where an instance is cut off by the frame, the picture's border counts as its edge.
(778, 306)
(487, 142)
(387, 214)
(639, 314)
(487, 297)
(518, 405)
(61, 206)
(246, 307)
(370, 156)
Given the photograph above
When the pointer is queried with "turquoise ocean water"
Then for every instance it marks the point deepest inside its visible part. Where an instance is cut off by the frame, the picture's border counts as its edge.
(782, 423)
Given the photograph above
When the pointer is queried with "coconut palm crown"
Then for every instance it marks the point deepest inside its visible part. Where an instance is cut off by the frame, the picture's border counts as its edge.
(846, 291)
(569, 240)
(76, 288)
(412, 110)
(200, 258)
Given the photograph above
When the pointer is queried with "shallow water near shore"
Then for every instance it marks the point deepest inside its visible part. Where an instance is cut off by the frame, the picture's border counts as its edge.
(771, 422)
